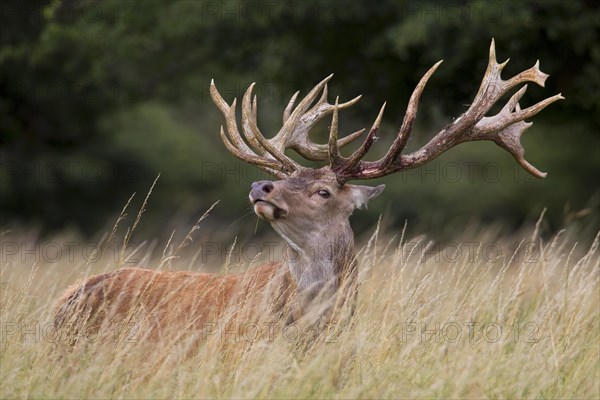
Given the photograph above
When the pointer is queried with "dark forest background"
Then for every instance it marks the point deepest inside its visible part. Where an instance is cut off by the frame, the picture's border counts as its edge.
(99, 97)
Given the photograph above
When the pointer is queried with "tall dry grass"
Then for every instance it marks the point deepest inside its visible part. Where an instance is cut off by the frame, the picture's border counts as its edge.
(486, 316)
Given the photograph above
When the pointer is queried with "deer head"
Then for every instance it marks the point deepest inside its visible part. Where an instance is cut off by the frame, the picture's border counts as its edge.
(296, 205)
(311, 206)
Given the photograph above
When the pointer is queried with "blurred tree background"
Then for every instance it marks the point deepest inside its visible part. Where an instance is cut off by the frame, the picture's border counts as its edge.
(98, 97)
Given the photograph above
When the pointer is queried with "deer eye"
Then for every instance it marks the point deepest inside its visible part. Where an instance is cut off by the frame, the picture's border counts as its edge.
(324, 193)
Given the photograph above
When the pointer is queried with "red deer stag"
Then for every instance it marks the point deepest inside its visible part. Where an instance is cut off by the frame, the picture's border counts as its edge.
(308, 208)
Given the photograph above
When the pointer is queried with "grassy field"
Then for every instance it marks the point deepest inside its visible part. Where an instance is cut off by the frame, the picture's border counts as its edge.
(487, 316)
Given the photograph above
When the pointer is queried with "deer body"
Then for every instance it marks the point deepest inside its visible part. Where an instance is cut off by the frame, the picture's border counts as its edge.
(161, 300)
(309, 209)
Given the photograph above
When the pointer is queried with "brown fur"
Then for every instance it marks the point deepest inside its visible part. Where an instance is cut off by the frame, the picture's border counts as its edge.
(159, 301)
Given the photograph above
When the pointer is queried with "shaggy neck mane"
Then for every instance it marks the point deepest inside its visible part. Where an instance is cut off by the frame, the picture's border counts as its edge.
(320, 269)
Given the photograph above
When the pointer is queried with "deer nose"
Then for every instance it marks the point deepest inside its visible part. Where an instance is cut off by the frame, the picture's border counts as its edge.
(263, 186)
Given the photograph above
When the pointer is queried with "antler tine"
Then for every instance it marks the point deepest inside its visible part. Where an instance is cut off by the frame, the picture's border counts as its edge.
(288, 109)
(245, 128)
(285, 132)
(335, 158)
(254, 135)
(323, 98)
(234, 142)
(229, 114)
(504, 128)
(299, 137)
(346, 140)
(345, 169)
(409, 118)
(334, 152)
(366, 145)
(270, 166)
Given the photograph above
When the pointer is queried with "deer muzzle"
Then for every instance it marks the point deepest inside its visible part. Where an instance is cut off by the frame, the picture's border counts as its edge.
(261, 197)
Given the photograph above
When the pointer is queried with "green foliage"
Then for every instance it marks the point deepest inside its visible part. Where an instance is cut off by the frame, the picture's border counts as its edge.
(123, 87)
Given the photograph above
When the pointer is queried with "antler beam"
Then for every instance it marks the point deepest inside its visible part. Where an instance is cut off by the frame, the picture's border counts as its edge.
(504, 128)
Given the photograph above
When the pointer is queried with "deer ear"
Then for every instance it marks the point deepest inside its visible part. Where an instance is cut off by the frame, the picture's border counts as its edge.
(362, 194)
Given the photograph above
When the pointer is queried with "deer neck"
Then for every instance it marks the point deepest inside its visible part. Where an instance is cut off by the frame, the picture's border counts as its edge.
(322, 261)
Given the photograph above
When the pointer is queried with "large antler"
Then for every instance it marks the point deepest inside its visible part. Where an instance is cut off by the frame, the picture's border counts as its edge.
(269, 154)
(504, 128)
